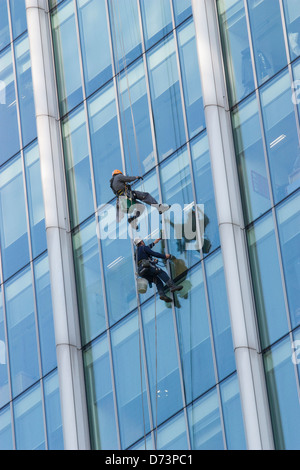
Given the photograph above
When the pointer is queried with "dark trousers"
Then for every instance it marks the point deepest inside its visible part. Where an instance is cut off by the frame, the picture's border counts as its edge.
(145, 197)
(156, 275)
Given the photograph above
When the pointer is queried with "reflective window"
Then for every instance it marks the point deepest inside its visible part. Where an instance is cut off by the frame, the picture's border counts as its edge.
(205, 423)
(94, 31)
(125, 31)
(4, 385)
(162, 360)
(35, 199)
(232, 414)
(205, 193)
(100, 396)
(283, 396)
(13, 227)
(194, 336)
(105, 140)
(18, 17)
(172, 435)
(296, 87)
(191, 78)
(89, 285)
(77, 166)
(267, 36)
(267, 282)
(166, 99)
(289, 233)
(182, 9)
(220, 315)
(157, 20)
(144, 444)
(66, 56)
(236, 49)
(130, 381)
(292, 16)
(281, 136)
(28, 413)
(250, 158)
(45, 314)
(8, 108)
(4, 28)
(53, 415)
(6, 441)
(22, 341)
(135, 120)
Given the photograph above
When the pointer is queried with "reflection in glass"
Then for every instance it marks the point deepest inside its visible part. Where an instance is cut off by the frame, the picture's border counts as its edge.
(77, 164)
(267, 281)
(172, 434)
(22, 341)
(220, 315)
(292, 16)
(18, 17)
(289, 233)
(157, 20)
(66, 56)
(88, 279)
(232, 414)
(182, 10)
(53, 414)
(4, 28)
(13, 226)
(4, 385)
(6, 441)
(283, 396)
(28, 413)
(205, 423)
(165, 388)
(194, 336)
(236, 49)
(250, 157)
(100, 396)
(166, 99)
(130, 381)
(281, 136)
(93, 32)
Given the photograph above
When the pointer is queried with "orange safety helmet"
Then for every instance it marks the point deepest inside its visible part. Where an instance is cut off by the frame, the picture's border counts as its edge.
(116, 172)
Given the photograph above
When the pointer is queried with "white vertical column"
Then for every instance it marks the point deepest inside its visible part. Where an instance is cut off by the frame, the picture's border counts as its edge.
(248, 357)
(67, 333)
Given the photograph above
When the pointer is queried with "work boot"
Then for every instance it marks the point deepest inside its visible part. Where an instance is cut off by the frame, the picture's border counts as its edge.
(163, 208)
(165, 298)
(173, 287)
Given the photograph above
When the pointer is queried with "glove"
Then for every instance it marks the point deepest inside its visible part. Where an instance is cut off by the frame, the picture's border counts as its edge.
(140, 178)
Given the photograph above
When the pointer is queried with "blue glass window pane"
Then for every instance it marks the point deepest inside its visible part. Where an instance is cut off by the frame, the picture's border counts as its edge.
(292, 17)
(166, 99)
(125, 31)
(53, 413)
(13, 227)
(235, 41)
(35, 200)
(182, 10)
(232, 414)
(100, 396)
(172, 435)
(25, 90)
(77, 165)
(251, 161)
(283, 396)
(22, 341)
(18, 17)
(130, 381)
(161, 350)
(220, 315)
(45, 314)
(157, 20)
(4, 27)
(135, 118)
(6, 441)
(205, 192)
(66, 56)
(144, 444)
(8, 108)
(267, 36)
(194, 336)
(281, 136)
(191, 78)
(88, 280)
(289, 233)
(105, 140)
(93, 31)
(4, 386)
(296, 88)
(118, 264)
(267, 282)
(28, 413)
(205, 423)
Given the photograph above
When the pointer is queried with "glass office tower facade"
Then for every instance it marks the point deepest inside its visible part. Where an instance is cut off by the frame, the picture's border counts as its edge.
(29, 392)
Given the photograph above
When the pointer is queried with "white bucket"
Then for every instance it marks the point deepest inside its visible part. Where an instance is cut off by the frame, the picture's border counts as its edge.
(142, 285)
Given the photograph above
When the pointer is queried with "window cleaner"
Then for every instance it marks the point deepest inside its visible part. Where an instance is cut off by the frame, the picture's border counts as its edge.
(147, 268)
